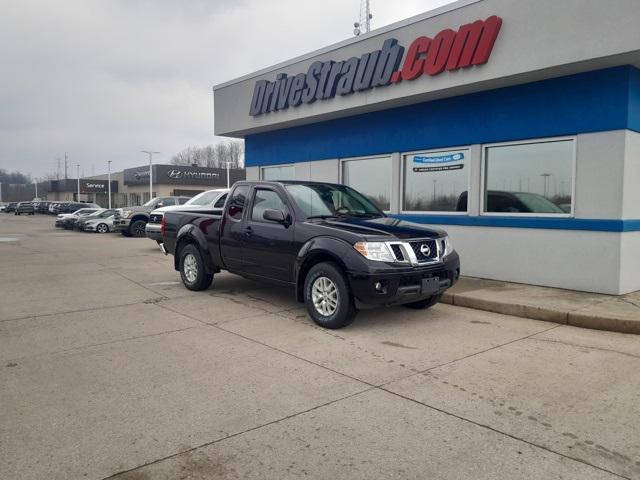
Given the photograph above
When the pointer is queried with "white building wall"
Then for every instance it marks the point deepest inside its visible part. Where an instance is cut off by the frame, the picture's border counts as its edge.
(607, 175)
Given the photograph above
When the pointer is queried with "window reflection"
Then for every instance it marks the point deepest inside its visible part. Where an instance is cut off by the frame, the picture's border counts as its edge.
(371, 177)
(529, 178)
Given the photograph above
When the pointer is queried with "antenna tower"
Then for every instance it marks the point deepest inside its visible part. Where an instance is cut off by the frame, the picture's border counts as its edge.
(363, 25)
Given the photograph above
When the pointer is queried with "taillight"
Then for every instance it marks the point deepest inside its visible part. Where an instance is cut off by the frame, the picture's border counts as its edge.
(163, 225)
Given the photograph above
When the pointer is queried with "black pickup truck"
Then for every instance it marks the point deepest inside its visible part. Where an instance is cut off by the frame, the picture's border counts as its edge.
(327, 241)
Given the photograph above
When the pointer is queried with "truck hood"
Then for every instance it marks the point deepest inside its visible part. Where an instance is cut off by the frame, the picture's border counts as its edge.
(383, 227)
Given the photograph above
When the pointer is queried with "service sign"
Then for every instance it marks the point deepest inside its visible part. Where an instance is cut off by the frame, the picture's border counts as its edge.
(448, 50)
(98, 186)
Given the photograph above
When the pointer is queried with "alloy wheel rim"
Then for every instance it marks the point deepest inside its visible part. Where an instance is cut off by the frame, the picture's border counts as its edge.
(138, 231)
(190, 268)
(324, 295)
(102, 228)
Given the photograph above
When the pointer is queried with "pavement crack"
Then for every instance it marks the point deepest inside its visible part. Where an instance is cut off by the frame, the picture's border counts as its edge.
(141, 285)
(81, 310)
(514, 437)
(248, 430)
(420, 372)
(602, 349)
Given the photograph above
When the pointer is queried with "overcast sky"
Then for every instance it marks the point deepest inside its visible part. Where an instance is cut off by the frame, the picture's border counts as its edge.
(104, 79)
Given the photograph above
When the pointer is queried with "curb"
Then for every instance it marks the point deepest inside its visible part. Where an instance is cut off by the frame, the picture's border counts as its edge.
(576, 319)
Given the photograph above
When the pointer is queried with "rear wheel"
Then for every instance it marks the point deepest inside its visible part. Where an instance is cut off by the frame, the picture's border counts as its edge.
(327, 296)
(192, 269)
(426, 303)
(137, 228)
(102, 228)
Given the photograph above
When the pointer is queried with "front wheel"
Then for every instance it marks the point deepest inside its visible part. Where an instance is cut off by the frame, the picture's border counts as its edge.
(192, 269)
(426, 303)
(137, 228)
(327, 296)
(102, 228)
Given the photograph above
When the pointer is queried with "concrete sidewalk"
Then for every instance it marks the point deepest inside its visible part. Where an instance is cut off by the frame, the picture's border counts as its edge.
(580, 309)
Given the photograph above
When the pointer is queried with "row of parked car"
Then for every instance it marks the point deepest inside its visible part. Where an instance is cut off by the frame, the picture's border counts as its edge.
(141, 221)
(50, 207)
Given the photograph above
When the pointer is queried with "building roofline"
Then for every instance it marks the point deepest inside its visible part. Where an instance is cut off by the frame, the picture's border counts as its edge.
(374, 33)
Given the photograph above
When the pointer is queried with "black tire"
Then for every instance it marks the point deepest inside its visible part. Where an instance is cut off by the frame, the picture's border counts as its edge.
(102, 228)
(136, 229)
(426, 303)
(198, 279)
(125, 233)
(345, 311)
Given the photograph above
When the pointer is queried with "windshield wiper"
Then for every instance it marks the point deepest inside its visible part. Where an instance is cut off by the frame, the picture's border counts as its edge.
(322, 216)
(366, 215)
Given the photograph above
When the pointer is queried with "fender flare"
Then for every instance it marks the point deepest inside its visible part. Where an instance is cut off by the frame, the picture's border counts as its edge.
(320, 249)
(190, 234)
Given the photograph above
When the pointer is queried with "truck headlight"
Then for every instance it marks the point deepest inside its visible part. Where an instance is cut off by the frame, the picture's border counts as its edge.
(126, 213)
(377, 251)
(447, 246)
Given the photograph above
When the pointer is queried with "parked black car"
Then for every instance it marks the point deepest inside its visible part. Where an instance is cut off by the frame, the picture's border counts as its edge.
(329, 242)
(26, 208)
(11, 207)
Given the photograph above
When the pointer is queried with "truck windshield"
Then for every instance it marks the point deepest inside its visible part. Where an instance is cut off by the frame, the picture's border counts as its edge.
(322, 200)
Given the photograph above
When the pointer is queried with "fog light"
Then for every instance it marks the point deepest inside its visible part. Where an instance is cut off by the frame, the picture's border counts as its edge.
(380, 287)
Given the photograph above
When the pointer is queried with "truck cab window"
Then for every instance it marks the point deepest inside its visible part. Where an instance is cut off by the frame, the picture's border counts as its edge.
(237, 202)
(266, 200)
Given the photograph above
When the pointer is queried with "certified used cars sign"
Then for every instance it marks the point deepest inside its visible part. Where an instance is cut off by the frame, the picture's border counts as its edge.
(448, 50)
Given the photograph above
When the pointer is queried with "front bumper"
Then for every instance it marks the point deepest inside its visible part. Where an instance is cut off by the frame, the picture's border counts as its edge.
(89, 228)
(121, 224)
(153, 231)
(404, 285)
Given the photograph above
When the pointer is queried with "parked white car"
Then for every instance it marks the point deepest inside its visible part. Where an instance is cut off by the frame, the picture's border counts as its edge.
(209, 200)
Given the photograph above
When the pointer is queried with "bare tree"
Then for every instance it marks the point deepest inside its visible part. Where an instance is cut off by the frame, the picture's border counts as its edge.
(212, 156)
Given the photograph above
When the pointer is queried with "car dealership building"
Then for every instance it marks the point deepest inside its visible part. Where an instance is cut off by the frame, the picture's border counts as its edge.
(130, 187)
(513, 125)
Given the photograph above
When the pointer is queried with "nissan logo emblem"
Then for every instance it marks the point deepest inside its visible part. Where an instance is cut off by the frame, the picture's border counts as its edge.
(425, 249)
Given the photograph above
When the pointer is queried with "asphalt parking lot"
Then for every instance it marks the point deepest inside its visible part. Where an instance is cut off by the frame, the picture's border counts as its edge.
(109, 368)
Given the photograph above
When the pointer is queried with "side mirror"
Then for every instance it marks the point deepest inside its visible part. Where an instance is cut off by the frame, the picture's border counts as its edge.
(159, 204)
(273, 215)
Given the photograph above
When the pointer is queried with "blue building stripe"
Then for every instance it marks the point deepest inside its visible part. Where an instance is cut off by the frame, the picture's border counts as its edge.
(595, 101)
(593, 225)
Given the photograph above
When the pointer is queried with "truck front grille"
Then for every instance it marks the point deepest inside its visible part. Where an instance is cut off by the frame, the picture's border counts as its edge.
(155, 218)
(425, 250)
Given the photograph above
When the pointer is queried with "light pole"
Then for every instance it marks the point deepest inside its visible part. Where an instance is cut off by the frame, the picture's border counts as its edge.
(78, 169)
(150, 153)
(227, 165)
(35, 183)
(109, 180)
(545, 177)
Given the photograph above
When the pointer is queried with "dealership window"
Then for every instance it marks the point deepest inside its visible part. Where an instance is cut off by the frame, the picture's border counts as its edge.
(371, 177)
(281, 172)
(529, 178)
(436, 181)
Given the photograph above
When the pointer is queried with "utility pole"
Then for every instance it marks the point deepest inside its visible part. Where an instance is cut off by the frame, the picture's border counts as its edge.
(78, 167)
(65, 165)
(109, 180)
(35, 182)
(150, 153)
(58, 169)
